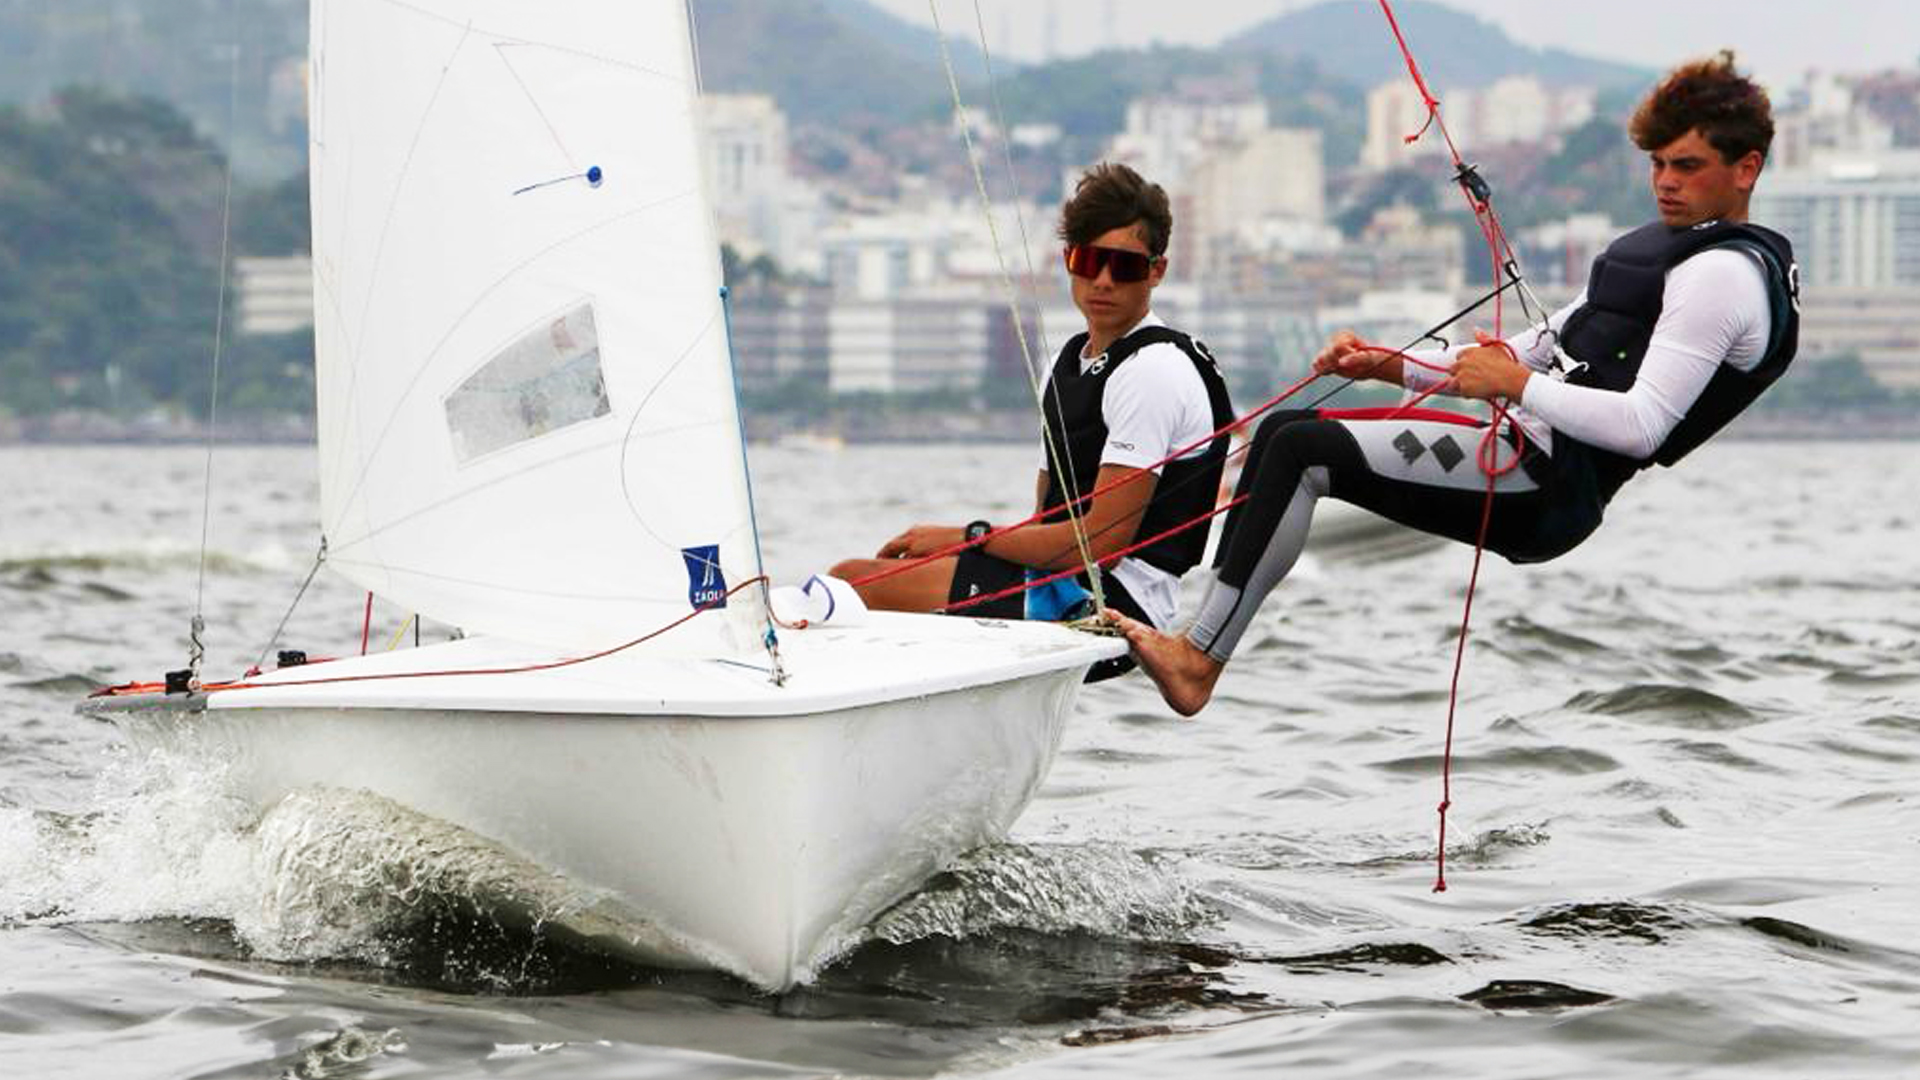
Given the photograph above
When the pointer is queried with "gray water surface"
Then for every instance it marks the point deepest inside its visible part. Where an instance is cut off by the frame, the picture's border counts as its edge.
(1685, 839)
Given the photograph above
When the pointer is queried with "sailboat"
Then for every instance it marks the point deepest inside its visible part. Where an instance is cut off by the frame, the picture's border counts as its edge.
(528, 429)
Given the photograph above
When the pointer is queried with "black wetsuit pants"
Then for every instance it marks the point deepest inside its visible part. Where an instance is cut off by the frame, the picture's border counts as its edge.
(1418, 467)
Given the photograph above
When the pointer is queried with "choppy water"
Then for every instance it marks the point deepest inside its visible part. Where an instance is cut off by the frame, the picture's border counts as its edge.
(1686, 834)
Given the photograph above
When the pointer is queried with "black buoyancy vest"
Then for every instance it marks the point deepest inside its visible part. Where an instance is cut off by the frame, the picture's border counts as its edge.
(1076, 431)
(1608, 335)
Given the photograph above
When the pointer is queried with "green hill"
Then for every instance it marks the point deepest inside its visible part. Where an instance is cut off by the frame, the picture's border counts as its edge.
(109, 249)
(1088, 96)
(179, 51)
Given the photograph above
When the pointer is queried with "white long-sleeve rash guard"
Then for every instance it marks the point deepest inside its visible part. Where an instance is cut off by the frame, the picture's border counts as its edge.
(1714, 311)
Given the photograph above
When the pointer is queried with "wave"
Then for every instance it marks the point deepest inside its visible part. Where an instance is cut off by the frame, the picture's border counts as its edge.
(1680, 706)
(28, 571)
(1614, 920)
(1089, 889)
(332, 876)
(66, 686)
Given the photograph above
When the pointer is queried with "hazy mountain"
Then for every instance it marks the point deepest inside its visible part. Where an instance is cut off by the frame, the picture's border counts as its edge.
(190, 53)
(1088, 96)
(912, 39)
(840, 64)
(837, 62)
(1454, 48)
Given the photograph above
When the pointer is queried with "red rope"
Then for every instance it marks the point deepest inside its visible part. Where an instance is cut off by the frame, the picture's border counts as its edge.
(1104, 561)
(1420, 83)
(1479, 199)
(1235, 425)
(518, 670)
(366, 625)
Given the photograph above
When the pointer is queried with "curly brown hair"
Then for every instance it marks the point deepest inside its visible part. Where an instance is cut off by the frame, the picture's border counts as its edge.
(1730, 110)
(1112, 196)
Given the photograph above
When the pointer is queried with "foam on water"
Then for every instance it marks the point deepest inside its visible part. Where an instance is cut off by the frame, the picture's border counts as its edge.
(161, 840)
(332, 875)
(1051, 889)
(344, 874)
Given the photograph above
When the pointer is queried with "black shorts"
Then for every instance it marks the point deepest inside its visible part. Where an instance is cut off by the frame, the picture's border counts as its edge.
(979, 574)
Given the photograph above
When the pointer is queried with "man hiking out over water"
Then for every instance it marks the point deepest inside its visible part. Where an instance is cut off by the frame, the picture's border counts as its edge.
(1124, 397)
(1682, 323)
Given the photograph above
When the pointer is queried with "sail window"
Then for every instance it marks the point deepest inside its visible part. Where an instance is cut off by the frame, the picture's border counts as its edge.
(546, 380)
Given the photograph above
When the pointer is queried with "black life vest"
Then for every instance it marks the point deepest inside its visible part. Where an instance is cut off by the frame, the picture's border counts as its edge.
(1608, 334)
(1076, 431)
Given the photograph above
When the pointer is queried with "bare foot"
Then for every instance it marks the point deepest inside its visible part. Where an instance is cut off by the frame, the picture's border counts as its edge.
(1184, 674)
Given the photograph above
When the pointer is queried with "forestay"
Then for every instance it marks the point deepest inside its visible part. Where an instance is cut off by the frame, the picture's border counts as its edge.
(527, 418)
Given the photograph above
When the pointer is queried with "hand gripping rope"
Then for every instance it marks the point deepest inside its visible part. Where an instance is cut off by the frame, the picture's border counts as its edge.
(1480, 199)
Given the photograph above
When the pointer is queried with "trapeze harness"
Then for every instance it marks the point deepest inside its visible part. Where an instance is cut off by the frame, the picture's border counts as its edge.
(1418, 466)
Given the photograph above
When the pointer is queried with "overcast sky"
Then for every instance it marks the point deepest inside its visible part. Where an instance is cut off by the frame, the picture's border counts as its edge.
(1777, 39)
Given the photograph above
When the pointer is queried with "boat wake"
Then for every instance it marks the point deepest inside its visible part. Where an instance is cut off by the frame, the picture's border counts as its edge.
(351, 875)
(337, 877)
(1051, 889)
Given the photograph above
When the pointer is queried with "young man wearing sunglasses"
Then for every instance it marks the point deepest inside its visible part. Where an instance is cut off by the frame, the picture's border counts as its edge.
(1132, 408)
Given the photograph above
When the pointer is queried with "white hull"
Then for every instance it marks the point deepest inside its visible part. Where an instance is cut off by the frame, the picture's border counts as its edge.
(755, 843)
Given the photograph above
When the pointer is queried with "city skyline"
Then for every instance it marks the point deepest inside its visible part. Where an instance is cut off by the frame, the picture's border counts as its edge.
(1780, 42)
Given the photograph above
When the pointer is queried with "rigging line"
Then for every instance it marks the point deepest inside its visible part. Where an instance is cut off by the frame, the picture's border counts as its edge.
(1071, 488)
(771, 639)
(1312, 406)
(522, 669)
(693, 43)
(975, 601)
(412, 622)
(1480, 198)
(1062, 463)
(1013, 183)
(1474, 187)
(318, 558)
(1238, 422)
(196, 648)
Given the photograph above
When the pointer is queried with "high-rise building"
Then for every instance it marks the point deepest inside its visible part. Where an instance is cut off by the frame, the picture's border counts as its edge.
(1852, 225)
(1225, 169)
(759, 206)
(1515, 109)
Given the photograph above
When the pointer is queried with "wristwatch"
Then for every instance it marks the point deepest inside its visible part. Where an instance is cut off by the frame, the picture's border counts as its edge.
(978, 529)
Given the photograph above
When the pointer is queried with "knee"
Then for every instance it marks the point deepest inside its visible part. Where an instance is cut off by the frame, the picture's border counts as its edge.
(1293, 431)
(850, 569)
(1277, 423)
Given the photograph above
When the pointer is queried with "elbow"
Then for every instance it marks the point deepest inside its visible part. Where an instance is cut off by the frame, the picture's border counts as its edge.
(1649, 433)
(1642, 446)
(1639, 444)
(1107, 547)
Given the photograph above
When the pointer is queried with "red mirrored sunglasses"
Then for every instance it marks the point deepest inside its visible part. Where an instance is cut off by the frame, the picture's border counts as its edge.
(1127, 267)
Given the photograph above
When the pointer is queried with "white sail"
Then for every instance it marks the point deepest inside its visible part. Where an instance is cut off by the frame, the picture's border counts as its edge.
(527, 415)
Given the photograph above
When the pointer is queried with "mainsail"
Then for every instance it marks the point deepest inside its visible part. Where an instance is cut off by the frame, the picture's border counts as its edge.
(527, 415)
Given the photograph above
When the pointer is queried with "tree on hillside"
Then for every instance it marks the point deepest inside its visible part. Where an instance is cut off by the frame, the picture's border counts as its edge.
(105, 296)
